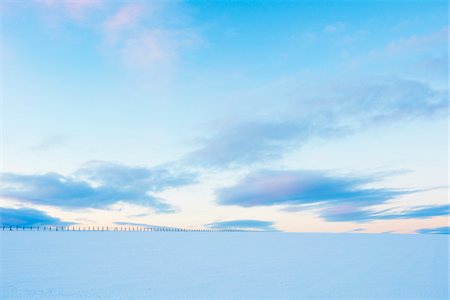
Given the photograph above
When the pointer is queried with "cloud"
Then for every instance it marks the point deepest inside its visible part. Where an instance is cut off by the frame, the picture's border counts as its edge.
(248, 142)
(326, 110)
(143, 225)
(342, 213)
(243, 225)
(148, 36)
(75, 9)
(438, 230)
(385, 100)
(155, 49)
(403, 55)
(335, 27)
(27, 217)
(127, 16)
(358, 230)
(96, 185)
(140, 33)
(417, 43)
(301, 187)
(49, 142)
(133, 224)
(332, 107)
(144, 39)
(153, 179)
(58, 190)
(339, 198)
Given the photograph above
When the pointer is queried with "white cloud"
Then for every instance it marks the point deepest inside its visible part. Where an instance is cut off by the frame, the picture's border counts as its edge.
(139, 33)
(335, 27)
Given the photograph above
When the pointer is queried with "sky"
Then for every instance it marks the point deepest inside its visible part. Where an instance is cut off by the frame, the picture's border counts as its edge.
(297, 116)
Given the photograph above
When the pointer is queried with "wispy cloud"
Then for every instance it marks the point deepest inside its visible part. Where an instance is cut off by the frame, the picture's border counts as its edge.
(247, 142)
(125, 17)
(334, 27)
(96, 185)
(49, 142)
(146, 41)
(339, 198)
(140, 225)
(405, 53)
(27, 217)
(344, 104)
(417, 43)
(331, 110)
(300, 187)
(151, 179)
(438, 230)
(75, 9)
(257, 225)
(141, 34)
(357, 230)
(349, 213)
(156, 50)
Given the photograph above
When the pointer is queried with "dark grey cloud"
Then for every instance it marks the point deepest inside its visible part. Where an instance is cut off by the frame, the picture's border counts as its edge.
(96, 185)
(330, 111)
(243, 225)
(267, 188)
(27, 217)
(438, 230)
(348, 213)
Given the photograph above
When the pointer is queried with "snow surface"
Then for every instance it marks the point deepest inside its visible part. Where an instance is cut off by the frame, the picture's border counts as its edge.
(192, 265)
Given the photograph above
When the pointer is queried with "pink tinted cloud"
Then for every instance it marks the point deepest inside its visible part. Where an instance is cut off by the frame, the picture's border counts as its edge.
(156, 48)
(280, 186)
(132, 30)
(126, 17)
(150, 48)
(341, 209)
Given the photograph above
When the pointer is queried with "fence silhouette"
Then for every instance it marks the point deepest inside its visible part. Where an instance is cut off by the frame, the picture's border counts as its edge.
(117, 228)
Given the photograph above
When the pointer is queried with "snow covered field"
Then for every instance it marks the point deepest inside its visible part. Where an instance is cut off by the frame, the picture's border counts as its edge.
(192, 265)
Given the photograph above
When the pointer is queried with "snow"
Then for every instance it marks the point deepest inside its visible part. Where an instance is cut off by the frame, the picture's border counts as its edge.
(204, 265)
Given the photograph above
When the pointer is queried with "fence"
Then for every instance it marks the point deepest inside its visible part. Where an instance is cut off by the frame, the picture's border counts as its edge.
(117, 228)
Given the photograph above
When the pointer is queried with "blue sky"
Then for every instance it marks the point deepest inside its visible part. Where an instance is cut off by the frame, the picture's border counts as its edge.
(324, 116)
